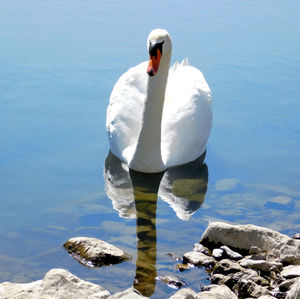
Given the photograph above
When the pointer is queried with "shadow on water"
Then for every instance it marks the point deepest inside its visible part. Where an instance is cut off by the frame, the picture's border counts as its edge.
(135, 194)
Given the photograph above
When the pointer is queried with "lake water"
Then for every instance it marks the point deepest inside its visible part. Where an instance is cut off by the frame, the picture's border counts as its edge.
(58, 63)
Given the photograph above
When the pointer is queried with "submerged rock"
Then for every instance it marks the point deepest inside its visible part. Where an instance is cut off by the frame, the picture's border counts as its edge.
(174, 282)
(92, 252)
(57, 283)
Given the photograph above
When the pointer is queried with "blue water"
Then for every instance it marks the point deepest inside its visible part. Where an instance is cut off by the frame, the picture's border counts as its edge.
(58, 63)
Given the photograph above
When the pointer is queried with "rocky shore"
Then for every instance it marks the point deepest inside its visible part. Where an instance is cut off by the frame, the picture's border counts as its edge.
(243, 261)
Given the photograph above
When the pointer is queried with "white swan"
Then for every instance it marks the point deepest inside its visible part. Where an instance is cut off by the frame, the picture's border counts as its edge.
(158, 118)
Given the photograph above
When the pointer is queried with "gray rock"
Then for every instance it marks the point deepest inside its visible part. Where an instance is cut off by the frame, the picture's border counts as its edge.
(198, 259)
(216, 292)
(92, 252)
(255, 264)
(286, 284)
(249, 274)
(226, 267)
(200, 248)
(291, 271)
(231, 254)
(254, 250)
(218, 253)
(130, 293)
(259, 256)
(266, 297)
(294, 292)
(57, 283)
(248, 288)
(219, 278)
(246, 236)
(186, 293)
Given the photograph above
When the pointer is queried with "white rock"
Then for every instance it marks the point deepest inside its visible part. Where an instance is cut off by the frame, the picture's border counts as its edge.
(216, 292)
(130, 293)
(291, 271)
(57, 283)
(294, 292)
(246, 236)
(198, 258)
(186, 293)
(217, 253)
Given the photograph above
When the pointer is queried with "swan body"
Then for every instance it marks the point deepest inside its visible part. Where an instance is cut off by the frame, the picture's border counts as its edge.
(158, 117)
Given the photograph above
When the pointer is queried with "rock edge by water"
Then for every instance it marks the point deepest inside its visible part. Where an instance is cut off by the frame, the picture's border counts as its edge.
(92, 252)
(252, 261)
(243, 261)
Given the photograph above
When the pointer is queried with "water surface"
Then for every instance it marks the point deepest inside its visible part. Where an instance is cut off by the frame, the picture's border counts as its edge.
(58, 63)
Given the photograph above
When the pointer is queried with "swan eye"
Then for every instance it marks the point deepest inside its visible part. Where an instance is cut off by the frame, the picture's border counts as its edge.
(154, 47)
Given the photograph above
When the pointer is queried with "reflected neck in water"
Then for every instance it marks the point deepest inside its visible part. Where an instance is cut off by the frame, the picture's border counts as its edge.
(145, 188)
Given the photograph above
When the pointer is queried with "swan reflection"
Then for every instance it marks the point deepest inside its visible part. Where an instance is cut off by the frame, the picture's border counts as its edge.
(183, 187)
(134, 194)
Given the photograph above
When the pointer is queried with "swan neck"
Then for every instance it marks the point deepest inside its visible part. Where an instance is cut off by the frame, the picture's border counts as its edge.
(147, 156)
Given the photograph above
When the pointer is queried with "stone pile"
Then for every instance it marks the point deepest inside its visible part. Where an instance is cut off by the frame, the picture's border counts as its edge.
(252, 261)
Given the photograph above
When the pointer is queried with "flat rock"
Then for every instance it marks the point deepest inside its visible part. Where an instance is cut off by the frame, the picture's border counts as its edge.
(294, 292)
(216, 292)
(291, 271)
(243, 237)
(92, 252)
(255, 264)
(57, 283)
(198, 259)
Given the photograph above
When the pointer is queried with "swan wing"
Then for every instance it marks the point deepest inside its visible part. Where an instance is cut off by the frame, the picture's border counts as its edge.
(187, 115)
(124, 113)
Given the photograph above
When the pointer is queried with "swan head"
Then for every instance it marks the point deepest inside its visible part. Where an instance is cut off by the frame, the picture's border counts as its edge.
(159, 46)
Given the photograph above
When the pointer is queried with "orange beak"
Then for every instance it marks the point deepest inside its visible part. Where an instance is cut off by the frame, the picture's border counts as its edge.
(154, 63)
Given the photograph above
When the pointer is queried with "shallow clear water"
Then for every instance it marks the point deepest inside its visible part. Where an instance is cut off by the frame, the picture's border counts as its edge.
(58, 63)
